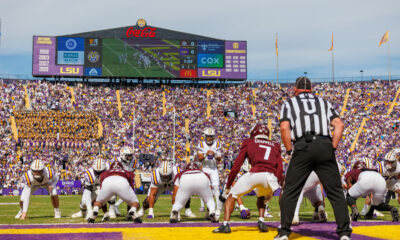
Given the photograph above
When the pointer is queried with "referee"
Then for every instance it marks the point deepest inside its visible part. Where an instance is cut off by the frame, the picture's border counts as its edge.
(305, 120)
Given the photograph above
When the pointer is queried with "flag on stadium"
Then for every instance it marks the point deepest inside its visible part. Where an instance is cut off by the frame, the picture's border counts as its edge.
(331, 49)
(276, 44)
(385, 38)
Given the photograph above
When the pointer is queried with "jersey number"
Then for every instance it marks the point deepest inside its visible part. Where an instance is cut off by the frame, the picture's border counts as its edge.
(267, 151)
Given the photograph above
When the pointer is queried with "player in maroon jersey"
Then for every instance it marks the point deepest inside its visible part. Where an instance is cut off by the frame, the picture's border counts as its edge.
(117, 181)
(265, 174)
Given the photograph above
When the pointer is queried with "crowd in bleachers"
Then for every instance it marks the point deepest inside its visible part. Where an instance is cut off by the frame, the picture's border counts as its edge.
(77, 142)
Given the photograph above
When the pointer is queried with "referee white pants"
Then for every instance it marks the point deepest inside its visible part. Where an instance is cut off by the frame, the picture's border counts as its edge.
(369, 182)
(116, 185)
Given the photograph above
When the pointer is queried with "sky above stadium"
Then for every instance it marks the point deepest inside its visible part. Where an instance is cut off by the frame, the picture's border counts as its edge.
(304, 31)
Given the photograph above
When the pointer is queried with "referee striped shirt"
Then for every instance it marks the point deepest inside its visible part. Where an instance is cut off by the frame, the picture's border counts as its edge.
(308, 114)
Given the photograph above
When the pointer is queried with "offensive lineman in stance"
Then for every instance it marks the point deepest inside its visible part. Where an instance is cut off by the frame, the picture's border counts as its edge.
(162, 180)
(265, 175)
(209, 154)
(189, 182)
(92, 188)
(362, 181)
(38, 176)
(117, 181)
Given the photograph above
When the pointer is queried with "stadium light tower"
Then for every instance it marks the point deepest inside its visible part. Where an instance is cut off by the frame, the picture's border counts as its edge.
(361, 72)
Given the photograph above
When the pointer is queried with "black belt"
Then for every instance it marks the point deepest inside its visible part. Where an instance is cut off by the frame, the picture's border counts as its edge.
(311, 137)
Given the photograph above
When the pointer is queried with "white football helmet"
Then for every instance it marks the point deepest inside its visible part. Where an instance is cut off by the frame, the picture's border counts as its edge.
(37, 168)
(165, 170)
(126, 154)
(391, 160)
(209, 135)
(99, 166)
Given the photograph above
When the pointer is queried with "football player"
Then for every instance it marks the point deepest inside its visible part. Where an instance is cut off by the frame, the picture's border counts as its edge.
(209, 153)
(92, 188)
(391, 171)
(313, 191)
(189, 182)
(120, 182)
(264, 175)
(128, 161)
(162, 180)
(362, 181)
(36, 177)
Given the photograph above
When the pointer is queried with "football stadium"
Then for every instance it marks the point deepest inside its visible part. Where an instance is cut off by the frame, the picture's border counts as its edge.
(142, 132)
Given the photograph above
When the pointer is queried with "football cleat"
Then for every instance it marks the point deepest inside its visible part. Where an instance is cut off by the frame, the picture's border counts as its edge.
(395, 214)
(295, 220)
(137, 220)
(111, 212)
(245, 214)
(279, 237)
(354, 214)
(322, 216)
(106, 217)
(267, 214)
(18, 214)
(140, 213)
(378, 214)
(212, 218)
(189, 213)
(174, 217)
(150, 216)
(57, 215)
(77, 215)
(116, 210)
(223, 229)
(262, 227)
(92, 218)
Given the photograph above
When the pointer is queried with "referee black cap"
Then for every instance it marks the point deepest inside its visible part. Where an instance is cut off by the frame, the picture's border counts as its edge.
(303, 83)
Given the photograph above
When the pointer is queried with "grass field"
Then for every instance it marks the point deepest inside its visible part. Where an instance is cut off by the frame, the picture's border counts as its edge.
(41, 211)
(112, 65)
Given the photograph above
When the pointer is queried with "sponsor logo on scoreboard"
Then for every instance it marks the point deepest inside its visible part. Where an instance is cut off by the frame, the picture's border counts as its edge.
(93, 71)
(44, 41)
(147, 32)
(141, 22)
(188, 73)
(70, 71)
(210, 60)
(93, 56)
(93, 42)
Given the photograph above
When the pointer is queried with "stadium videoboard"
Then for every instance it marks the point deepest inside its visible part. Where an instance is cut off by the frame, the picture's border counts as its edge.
(139, 58)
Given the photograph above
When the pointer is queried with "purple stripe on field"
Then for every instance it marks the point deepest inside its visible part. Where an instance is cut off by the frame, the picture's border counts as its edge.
(63, 236)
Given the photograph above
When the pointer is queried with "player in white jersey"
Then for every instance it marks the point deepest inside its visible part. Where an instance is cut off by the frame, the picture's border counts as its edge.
(391, 171)
(209, 153)
(313, 191)
(37, 177)
(161, 181)
(92, 187)
(129, 162)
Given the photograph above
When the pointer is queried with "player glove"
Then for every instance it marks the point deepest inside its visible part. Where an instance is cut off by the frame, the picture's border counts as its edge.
(224, 195)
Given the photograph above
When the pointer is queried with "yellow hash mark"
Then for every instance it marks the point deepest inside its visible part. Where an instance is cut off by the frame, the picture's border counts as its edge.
(164, 233)
(391, 232)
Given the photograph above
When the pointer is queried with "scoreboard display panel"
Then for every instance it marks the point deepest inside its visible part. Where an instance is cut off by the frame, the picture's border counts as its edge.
(138, 58)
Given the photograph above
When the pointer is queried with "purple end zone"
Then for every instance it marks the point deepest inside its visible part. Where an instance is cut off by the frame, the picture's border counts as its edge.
(63, 236)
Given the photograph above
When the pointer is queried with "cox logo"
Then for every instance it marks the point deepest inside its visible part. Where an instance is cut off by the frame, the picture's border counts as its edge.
(210, 60)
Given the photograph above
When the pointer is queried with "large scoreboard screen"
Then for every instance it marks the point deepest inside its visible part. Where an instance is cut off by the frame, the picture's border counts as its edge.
(139, 58)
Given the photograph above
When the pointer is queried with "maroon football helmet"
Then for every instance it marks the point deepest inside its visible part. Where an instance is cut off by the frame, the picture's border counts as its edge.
(192, 166)
(259, 131)
(359, 165)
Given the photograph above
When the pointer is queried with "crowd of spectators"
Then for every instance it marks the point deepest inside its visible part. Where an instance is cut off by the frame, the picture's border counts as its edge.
(144, 124)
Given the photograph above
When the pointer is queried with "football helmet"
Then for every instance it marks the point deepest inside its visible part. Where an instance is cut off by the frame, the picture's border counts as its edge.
(37, 168)
(390, 160)
(259, 131)
(192, 166)
(209, 135)
(166, 171)
(360, 164)
(99, 166)
(126, 154)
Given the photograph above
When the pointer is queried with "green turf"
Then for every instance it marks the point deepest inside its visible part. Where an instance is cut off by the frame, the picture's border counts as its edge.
(41, 211)
(112, 66)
